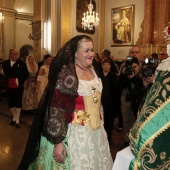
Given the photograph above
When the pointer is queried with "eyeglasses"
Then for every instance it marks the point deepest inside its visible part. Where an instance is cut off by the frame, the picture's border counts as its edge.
(134, 52)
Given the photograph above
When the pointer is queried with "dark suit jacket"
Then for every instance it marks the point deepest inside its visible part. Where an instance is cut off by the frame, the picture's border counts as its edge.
(18, 70)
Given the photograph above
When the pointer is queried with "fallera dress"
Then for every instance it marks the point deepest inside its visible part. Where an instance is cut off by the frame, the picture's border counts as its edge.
(86, 142)
(29, 94)
(43, 79)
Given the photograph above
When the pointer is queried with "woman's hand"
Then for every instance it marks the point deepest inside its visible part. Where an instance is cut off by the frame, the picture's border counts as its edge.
(59, 152)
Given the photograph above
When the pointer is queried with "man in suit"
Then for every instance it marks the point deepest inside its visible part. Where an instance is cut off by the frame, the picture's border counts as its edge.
(15, 70)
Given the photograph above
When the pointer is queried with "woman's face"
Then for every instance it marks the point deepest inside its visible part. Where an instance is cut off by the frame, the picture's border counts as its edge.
(84, 54)
(31, 59)
(106, 67)
(48, 60)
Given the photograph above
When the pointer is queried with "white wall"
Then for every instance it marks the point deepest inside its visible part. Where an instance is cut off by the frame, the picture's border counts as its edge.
(16, 26)
(22, 25)
(23, 29)
(9, 35)
(25, 6)
(122, 52)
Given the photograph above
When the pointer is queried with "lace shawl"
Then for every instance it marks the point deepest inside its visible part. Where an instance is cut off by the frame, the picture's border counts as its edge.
(61, 107)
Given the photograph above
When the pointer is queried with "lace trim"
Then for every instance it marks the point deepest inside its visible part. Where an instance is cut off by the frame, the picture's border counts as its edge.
(67, 82)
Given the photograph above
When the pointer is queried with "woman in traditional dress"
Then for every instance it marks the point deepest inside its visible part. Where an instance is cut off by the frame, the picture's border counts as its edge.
(67, 132)
(42, 78)
(29, 94)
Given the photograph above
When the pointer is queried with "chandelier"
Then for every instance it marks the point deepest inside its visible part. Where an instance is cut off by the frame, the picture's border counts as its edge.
(90, 19)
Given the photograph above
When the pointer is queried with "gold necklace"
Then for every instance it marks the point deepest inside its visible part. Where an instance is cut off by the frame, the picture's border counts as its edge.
(84, 70)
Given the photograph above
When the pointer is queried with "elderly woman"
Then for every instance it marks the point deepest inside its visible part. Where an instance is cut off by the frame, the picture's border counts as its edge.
(29, 94)
(67, 132)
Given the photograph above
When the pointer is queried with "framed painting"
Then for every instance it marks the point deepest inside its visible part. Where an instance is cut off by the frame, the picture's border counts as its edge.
(36, 30)
(122, 25)
(81, 8)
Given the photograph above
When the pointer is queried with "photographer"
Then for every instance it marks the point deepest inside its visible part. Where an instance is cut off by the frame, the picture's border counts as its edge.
(128, 79)
(139, 93)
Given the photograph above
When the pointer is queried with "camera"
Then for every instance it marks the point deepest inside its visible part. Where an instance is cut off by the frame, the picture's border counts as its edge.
(148, 71)
(151, 61)
(129, 71)
(129, 60)
(150, 65)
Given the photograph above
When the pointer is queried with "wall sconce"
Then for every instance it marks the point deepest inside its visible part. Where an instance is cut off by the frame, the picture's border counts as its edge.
(36, 31)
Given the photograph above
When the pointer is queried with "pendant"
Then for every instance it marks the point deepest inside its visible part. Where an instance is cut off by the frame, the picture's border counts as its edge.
(95, 99)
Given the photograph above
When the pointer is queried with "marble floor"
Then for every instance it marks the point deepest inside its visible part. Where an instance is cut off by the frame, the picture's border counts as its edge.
(13, 140)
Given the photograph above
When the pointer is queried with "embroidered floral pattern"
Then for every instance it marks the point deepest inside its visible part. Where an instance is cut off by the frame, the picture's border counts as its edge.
(163, 155)
(67, 82)
(59, 114)
(150, 134)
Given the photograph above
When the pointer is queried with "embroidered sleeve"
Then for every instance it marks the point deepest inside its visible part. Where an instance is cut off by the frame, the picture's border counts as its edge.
(55, 126)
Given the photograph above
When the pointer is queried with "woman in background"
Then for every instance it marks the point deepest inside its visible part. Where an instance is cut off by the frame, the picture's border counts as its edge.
(29, 94)
(42, 78)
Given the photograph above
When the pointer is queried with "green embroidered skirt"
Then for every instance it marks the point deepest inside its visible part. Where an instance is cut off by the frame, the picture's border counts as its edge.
(150, 135)
(45, 160)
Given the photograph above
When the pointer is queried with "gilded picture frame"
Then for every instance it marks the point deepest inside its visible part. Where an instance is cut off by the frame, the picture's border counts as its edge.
(36, 30)
(122, 25)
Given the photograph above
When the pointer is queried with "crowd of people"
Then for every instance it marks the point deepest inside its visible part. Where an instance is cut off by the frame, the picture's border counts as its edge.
(22, 81)
(75, 98)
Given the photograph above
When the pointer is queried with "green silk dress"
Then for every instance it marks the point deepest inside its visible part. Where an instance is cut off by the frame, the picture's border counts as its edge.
(150, 135)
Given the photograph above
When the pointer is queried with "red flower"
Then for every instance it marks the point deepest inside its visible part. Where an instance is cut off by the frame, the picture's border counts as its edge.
(168, 30)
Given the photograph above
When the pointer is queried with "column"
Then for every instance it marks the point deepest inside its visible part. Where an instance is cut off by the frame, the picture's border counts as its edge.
(148, 22)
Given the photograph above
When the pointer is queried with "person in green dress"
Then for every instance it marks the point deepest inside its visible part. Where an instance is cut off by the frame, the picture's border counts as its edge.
(150, 135)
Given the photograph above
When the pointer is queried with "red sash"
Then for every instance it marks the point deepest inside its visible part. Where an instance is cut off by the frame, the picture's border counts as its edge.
(12, 83)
